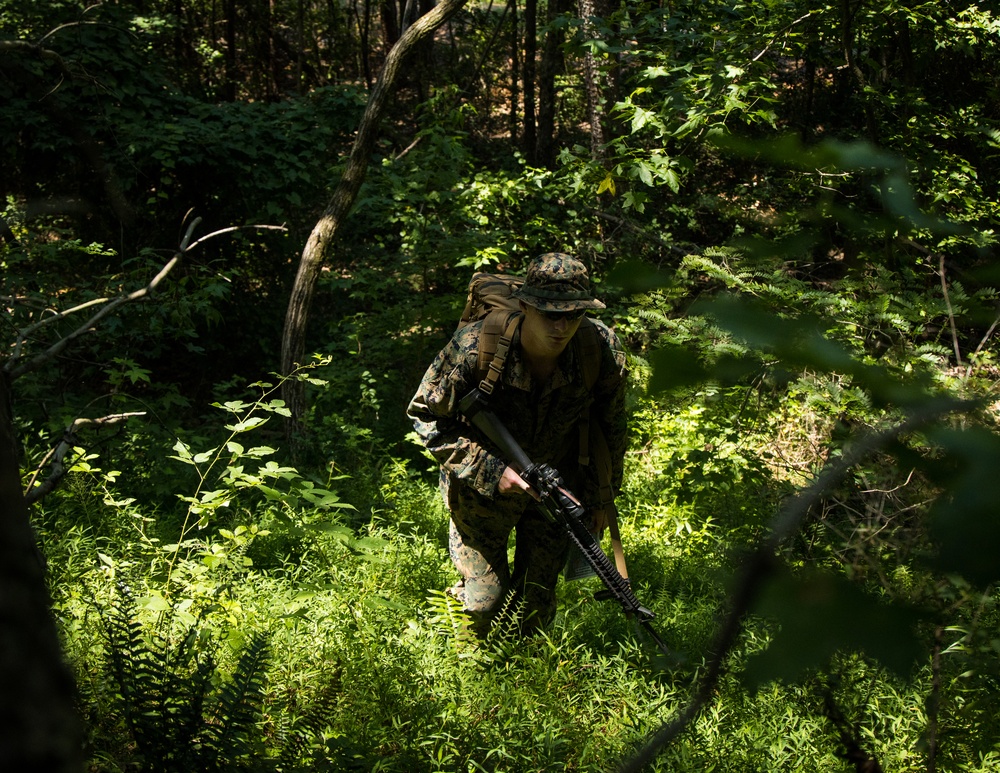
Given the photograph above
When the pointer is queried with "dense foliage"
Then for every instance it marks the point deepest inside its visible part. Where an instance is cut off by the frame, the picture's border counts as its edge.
(791, 210)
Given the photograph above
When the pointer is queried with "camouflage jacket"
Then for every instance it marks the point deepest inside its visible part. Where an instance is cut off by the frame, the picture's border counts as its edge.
(542, 417)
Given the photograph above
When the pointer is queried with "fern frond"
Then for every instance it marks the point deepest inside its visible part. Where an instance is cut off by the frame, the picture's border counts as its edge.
(311, 725)
(450, 621)
(228, 732)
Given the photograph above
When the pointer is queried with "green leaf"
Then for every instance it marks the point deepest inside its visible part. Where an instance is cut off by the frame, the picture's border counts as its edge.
(673, 180)
(155, 603)
(819, 614)
(204, 456)
(247, 424)
(332, 529)
(965, 521)
(183, 451)
(233, 406)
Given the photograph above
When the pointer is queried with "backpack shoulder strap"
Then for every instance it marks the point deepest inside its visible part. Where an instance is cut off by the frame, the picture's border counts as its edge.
(588, 344)
(497, 334)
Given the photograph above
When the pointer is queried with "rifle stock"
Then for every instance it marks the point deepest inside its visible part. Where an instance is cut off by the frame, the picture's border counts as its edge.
(559, 505)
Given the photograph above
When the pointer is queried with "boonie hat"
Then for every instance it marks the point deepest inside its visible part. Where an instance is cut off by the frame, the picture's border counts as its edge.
(557, 282)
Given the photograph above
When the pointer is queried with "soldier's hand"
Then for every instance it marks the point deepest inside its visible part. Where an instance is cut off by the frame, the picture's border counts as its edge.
(513, 485)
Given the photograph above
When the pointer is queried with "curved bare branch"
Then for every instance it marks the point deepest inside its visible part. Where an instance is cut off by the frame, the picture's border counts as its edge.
(14, 370)
(57, 455)
(761, 563)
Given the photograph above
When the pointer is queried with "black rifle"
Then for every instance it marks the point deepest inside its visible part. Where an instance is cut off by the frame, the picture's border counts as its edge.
(560, 506)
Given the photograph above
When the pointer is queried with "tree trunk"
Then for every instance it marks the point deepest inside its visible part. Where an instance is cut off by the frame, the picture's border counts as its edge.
(515, 75)
(551, 59)
(528, 74)
(39, 729)
(229, 91)
(592, 85)
(324, 233)
(847, 43)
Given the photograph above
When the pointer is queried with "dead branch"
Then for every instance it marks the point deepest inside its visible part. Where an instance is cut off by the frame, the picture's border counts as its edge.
(14, 370)
(57, 455)
(761, 563)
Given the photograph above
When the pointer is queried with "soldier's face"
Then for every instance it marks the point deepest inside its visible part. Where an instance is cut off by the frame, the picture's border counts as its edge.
(547, 335)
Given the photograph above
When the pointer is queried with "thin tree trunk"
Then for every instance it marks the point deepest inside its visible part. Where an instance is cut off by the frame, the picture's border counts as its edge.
(515, 74)
(322, 238)
(528, 75)
(592, 85)
(229, 91)
(551, 58)
(847, 42)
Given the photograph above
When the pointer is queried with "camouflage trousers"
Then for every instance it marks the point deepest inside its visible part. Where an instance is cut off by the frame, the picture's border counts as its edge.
(491, 589)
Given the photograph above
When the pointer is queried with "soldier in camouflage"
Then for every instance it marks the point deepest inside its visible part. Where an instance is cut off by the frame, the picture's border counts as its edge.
(541, 399)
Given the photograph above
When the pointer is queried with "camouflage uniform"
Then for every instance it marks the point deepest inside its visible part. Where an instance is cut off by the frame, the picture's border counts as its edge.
(543, 417)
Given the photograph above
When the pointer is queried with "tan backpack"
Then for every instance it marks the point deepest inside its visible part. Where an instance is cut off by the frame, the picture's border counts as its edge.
(490, 299)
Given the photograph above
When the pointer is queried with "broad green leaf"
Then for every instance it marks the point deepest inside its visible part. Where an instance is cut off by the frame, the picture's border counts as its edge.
(337, 530)
(270, 493)
(965, 521)
(204, 456)
(371, 544)
(673, 180)
(644, 172)
(155, 603)
(247, 424)
(232, 406)
(819, 614)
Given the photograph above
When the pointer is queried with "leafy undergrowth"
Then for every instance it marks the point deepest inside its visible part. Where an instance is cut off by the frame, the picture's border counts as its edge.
(286, 630)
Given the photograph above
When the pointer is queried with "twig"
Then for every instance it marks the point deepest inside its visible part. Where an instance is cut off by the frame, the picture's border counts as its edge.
(61, 344)
(24, 334)
(761, 563)
(979, 348)
(779, 33)
(408, 148)
(57, 455)
(951, 313)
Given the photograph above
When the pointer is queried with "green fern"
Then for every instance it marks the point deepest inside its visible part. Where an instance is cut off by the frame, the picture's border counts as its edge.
(164, 687)
(447, 620)
(231, 728)
(311, 725)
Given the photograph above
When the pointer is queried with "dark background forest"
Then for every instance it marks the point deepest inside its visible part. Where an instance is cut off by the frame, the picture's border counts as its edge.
(222, 548)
